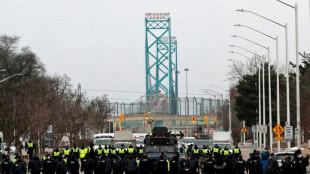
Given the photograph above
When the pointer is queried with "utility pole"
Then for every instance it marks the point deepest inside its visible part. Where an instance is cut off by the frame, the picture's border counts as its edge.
(186, 69)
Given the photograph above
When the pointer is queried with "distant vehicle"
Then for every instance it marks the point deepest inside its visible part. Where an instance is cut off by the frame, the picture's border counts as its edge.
(280, 155)
(118, 145)
(103, 139)
(139, 142)
(12, 149)
(222, 139)
(139, 135)
(188, 141)
(201, 143)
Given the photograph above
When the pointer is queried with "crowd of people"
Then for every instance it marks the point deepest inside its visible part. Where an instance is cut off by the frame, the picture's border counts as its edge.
(132, 160)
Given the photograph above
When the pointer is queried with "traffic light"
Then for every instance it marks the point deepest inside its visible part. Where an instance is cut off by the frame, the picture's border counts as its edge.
(193, 119)
(206, 119)
(122, 117)
(215, 118)
(146, 117)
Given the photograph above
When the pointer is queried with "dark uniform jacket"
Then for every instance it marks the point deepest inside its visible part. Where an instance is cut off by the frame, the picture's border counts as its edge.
(35, 165)
(145, 165)
(19, 168)
(299, 165)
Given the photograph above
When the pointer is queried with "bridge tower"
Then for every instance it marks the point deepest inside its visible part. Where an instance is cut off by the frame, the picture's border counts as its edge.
(161, 59)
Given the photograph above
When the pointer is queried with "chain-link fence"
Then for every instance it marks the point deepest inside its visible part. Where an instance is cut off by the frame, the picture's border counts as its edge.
(181, 106)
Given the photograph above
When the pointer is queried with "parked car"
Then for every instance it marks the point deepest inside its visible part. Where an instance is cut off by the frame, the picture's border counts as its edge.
(280, 155)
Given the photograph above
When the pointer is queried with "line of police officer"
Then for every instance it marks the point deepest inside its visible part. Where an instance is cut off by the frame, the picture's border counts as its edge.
(109, 160)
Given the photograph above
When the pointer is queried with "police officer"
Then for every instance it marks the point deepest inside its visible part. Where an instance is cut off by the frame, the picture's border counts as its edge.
(236, 152)
(30, 148)
(226, 152)
(174, 164)
(87, 165)
(254, 164)
(56, 153)
(48, 165)
(45, 156)
(35, 165)
(130, 165)
(240, 166)
(106, 150)
(145, 166)
(6, 165)
(140, 151)
(82, 153)
(91, 151)
(209, 165)
(192, 165)
(104, 165)
(75, 151)
(73, 164)
(286, 164)
(299, 163)
(196, 152)
(18, 167)
(66, 151)
(117, 165)
(216, 151)
(113, 152)
(99, 151)
(162, 165)
(122, 152)
(131, 150)
(60, 166)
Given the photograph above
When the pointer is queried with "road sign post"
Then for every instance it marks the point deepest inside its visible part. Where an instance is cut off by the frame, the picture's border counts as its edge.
(288, 133)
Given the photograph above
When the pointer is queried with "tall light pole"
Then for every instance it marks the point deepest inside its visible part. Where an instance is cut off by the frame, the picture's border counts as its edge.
(186, 69)
(269, 81)
(264, 103)
(297, 73)
(287, 70)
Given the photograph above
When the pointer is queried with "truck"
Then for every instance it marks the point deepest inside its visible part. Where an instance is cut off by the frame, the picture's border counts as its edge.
(160, 141)
(222, 139)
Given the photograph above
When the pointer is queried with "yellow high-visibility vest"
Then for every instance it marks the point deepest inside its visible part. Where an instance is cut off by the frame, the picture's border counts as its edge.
(236, 150)
(99, 151)
(205, 151)
(56, 153)
(66, 152)
(196, 151)
(113, 151)
(140, 151)
(30, 144)
(130, 150)
(226, 152)
(106, 151)
(121, 151)
(216, 150)
(83, 153)
(75, 150)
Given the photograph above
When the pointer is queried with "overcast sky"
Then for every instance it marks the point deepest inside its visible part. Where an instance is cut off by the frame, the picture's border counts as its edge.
(100, 44)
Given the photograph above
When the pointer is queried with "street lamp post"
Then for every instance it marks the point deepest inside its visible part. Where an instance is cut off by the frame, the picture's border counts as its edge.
(264, 105)
(297, 73)
(186, 69)
(269, 82)
(287, 70)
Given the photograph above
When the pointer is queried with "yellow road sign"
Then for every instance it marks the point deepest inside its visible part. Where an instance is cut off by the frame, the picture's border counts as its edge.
(278, 129)
(278, 138)
(244, 129)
